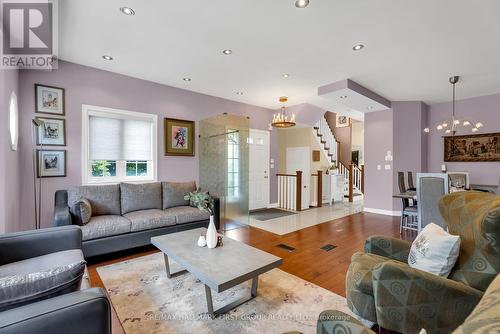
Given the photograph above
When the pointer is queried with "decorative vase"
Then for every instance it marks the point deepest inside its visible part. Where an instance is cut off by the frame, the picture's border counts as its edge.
(211, 234)
(202, 242)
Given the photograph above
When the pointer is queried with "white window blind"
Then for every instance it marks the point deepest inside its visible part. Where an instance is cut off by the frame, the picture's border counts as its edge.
(120, 139)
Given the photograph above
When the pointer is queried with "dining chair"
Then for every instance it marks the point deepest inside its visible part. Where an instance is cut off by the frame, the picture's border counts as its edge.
(409, 213)
(430, 188)
(411, 185)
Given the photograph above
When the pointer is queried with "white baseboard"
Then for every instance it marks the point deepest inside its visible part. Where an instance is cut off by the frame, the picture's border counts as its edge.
(383, 212)
(272, 205)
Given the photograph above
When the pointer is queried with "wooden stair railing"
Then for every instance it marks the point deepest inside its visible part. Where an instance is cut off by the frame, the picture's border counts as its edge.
(290, 191)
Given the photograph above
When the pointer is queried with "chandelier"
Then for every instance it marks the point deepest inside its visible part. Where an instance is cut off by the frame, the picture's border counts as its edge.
(450, 126)
(280, 120)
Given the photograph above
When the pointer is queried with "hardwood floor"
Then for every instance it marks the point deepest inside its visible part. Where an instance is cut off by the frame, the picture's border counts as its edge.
(308, 261)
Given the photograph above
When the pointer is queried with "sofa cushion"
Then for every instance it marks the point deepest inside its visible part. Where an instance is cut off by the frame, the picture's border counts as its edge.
(149, 219)
(174, 192)
(361, 268)
(105, 200)
(40, 277)
(144, 196)
(105, 226)
(187, 214)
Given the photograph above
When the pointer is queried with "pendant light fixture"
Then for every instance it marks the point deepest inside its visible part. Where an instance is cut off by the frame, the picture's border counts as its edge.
(281, 120)
(450, 126)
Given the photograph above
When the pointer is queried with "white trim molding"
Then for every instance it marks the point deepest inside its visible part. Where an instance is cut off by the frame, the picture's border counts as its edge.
(383, 212)
(89, 110)
(272, 205)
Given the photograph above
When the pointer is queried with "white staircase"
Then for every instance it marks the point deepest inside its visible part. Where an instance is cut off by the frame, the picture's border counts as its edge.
(327, 141)
(330, 145)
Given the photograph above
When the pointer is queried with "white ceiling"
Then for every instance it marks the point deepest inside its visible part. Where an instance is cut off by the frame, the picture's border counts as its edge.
(412, 47)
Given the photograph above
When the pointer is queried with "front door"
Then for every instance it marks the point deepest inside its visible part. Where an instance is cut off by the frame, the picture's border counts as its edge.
(298, 158)
(259, 169)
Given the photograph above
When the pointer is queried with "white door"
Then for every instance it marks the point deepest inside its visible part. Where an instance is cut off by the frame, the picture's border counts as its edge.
(259, 169)
(298, 158)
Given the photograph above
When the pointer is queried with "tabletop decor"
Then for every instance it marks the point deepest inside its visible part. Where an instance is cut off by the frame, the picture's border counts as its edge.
(205, 202)
(49, 100)
(472, 148)
(179, 137)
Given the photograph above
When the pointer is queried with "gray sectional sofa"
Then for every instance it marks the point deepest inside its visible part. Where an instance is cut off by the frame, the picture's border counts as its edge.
(127, 215)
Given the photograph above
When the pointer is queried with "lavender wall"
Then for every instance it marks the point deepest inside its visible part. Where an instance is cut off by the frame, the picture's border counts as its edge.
(378, 140)
(9, 160)
(485, 109)
(85, 85)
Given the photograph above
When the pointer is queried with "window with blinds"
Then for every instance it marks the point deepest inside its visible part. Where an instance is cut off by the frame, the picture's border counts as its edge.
(119, 145)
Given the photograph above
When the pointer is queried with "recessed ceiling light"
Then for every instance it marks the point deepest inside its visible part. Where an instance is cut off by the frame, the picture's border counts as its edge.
(239, 93)
(186, 79)
(370, 107)
(358, 47)
(301, 3)
(227, 51)
(286, 75)
(127, 11)
(343, 96)
(107, 57)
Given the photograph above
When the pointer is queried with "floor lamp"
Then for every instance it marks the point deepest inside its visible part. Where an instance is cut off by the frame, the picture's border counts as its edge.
(37, 124)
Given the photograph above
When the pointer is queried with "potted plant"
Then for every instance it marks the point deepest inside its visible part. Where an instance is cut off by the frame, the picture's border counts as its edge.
(205, 202)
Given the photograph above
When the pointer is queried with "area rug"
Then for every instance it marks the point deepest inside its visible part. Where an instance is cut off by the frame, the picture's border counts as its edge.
(268, 214)
(146, 301)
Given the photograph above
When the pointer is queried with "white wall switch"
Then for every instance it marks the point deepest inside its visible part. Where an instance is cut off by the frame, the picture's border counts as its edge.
(379, 167)
(387, 167)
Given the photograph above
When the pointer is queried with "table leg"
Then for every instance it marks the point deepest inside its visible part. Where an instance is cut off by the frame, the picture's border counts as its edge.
(214, 313)
(167, 267)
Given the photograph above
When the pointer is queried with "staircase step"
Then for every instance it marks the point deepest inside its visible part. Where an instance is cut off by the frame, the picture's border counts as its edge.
(330, 154)
(316, 127)
(323, 141)
(320, 135)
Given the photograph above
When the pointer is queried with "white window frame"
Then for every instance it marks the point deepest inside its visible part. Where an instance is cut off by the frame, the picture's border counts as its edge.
(87, 179)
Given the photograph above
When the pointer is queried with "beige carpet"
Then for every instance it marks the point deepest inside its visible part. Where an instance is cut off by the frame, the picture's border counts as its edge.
(146, 301)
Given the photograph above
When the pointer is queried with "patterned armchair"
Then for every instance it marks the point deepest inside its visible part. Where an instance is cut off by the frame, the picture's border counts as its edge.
(382, 288)
(484, 319)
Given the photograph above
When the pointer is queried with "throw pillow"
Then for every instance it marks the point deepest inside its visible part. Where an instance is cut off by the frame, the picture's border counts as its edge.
(434, 251)
(83, 209)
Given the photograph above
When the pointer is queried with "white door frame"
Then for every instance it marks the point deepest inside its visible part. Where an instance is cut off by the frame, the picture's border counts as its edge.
(304, 154)
(252, 166)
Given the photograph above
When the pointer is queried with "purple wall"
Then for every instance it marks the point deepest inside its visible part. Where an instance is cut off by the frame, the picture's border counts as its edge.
(409, 141)
(485, 109)
(378, 140)
(9, 160)
(85, 85)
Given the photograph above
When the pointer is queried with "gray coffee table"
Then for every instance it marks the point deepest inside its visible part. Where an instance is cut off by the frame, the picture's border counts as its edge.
(220, 268)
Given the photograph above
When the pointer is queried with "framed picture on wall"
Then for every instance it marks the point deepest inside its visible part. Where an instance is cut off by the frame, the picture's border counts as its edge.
(469, 148)
(49, 100)
(52, 132)
(179, 137)
(342, 121)
(51, 163)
